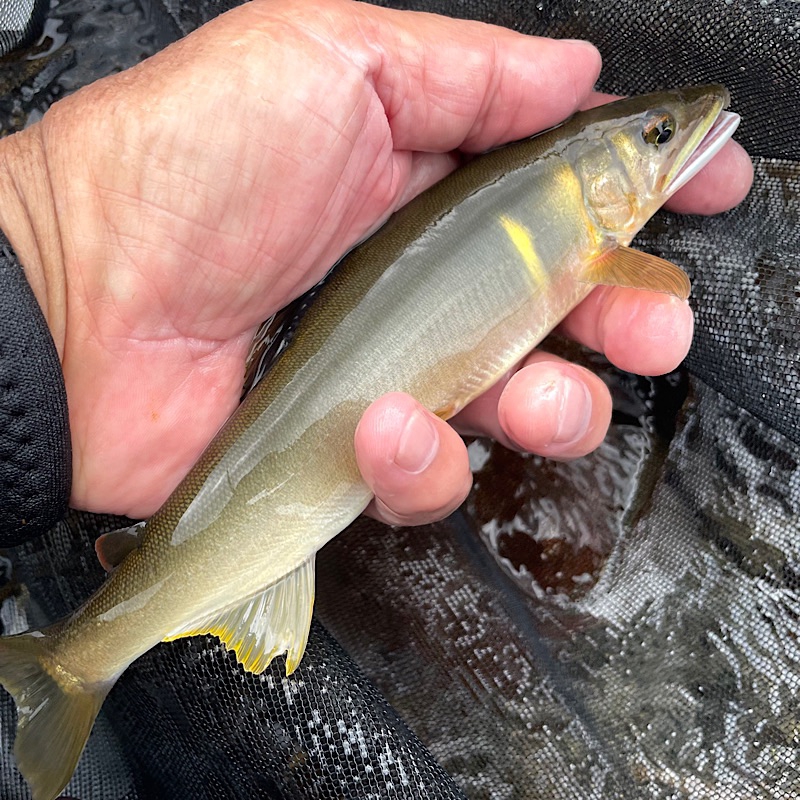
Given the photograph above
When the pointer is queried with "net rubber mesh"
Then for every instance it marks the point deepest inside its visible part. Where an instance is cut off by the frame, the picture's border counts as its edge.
(20, 23)
(623, 626)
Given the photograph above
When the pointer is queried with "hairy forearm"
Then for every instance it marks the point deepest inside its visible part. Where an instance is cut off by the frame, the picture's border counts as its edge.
(29, 220)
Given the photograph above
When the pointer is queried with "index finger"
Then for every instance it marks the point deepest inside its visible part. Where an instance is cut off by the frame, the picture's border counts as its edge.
(455, 84)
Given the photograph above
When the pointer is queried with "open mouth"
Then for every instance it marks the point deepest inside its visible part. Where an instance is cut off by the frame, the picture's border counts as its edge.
(719, 133)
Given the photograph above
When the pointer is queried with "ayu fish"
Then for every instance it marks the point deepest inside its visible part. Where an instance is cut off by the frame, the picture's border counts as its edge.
(446, 297)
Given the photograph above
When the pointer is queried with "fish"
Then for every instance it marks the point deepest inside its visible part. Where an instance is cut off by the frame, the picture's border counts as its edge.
(453, 290)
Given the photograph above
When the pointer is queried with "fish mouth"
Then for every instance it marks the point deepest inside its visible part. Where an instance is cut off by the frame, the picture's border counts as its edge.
(718, 134)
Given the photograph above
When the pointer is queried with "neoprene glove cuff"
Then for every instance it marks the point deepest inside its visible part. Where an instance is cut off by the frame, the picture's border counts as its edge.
(35, 448)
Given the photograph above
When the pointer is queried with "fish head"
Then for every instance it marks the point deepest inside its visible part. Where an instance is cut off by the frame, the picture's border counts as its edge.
(633, 154)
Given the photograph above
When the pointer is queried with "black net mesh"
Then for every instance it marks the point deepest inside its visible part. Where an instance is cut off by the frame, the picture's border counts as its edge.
(20, 23)
(625, 626)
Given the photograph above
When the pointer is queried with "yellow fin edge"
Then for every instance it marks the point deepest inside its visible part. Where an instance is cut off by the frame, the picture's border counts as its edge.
(272, 622)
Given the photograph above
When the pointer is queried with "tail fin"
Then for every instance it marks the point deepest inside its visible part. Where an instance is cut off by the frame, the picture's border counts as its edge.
(54, 719)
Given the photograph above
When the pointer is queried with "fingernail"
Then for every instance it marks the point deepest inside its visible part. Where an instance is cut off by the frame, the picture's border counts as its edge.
(574, 411)
(578, 43)
(418, 443)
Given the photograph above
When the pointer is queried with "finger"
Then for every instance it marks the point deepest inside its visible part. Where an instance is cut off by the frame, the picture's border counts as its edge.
(720, 185)
(425, 170)
(638, 331)
(415, 463)
(547, 406)
(594, 99)
(447, 84)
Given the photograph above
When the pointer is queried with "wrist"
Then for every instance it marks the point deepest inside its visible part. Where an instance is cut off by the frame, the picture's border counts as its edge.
(28, 219)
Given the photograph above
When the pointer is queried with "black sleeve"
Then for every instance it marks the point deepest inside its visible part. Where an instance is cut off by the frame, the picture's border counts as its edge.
(35, 449)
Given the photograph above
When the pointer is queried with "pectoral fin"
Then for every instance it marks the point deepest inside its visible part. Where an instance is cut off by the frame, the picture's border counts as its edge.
(624, 266)
(113, 547)
(273, 622)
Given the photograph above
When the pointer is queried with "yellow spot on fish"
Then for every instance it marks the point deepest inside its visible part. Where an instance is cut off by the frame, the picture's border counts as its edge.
(521, 239)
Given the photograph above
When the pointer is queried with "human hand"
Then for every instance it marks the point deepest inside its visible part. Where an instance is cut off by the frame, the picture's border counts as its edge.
(162, 213)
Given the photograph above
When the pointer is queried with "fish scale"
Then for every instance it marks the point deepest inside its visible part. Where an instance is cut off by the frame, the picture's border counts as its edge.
(440, 303)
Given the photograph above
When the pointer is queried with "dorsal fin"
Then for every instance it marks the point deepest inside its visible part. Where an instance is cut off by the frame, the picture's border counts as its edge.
(273, 622)
(624, 266)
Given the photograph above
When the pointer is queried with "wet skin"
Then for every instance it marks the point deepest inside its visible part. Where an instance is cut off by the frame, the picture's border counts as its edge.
(157, 232)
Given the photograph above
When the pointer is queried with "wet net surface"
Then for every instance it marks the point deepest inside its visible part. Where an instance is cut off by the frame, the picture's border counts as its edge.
(625, 626)
(20, 23)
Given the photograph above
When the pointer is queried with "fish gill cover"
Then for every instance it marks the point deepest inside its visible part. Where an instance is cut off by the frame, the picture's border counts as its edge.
(625, 626)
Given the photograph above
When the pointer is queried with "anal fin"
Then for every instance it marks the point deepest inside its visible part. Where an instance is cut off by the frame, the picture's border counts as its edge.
(270, 623)
(624, 266)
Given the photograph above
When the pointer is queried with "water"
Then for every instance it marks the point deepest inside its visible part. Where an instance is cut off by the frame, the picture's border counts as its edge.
(552, 525)
(81, 42)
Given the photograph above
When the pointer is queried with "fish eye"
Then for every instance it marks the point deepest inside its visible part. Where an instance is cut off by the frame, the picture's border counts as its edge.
(659, 129)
